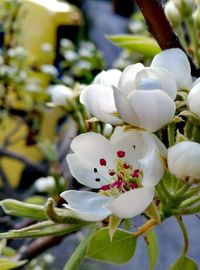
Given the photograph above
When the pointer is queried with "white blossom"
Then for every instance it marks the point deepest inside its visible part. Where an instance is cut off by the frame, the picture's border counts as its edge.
(60, 94)
(125, 169)
(183, 160)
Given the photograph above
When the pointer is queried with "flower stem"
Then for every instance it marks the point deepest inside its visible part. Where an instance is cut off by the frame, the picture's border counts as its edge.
(188, 129)
(190, 201)
(165, 191)
(185, 235)
(147, 226)
(192, 32)
(80, 253)
(191, 210)
(182, 190)
(171, 133)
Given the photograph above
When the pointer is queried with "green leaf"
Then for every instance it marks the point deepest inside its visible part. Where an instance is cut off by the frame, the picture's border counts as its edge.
(147, 46)
(152, 246)
(120, 250)
(6, 264)
(54, 230)
(39, 200)
(184, 263)
(21, 209)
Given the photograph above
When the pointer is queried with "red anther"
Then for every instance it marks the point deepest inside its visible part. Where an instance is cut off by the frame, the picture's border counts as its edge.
(121, 154)
(105, 187)
(133, 185)
(135, 173)
(126, 166)
(114, 184)
(102, 162)
(111, 172)
(119, 177)
(118, 184)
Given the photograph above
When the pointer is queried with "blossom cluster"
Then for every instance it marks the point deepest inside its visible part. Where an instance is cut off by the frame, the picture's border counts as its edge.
(126, 168)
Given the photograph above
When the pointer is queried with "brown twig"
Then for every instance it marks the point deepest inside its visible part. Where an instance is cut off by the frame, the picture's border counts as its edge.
(159, 27)
(37, 247)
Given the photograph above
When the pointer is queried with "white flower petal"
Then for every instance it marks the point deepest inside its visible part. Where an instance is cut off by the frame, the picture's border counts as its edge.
(130, 141)
(176, 63)
(193, 100)
(84, 164)
(99, 100)
(132, 203)
(183, 159)
(156, 78)
(109, 77)
(127, 80)
(87, 205)
(154, 109)
(124, 108)
(152, 168)
(84, 172)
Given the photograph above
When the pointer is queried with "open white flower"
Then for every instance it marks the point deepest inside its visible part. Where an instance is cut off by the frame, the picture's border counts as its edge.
(183, 160)
(193, 100)
(143, 97)
(176, 63)
(60, 94)
(125, 168)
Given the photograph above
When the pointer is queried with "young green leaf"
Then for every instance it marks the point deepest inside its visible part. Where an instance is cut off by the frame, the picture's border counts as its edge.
(21, 209)
(120, 250)
(184, 263)
(147, 46)
(6, 264)
(152, 246)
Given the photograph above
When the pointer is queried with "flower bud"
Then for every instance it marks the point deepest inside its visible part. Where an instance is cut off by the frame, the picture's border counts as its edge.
(60, 94)
(183, 160)
(172, 13)
(107, 130)
(45, 184)
(193, 100)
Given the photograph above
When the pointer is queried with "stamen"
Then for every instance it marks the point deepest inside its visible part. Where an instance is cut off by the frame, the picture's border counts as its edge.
(97, 179)
(135, 173)
(111, 172)
(105, 187)
(102, 162)
(121, 154)
(133, 185)
(95, 170)
(126, 166)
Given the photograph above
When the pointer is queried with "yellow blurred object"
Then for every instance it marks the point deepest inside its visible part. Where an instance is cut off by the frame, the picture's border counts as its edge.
(47, 21)
(42, 21)
(12, 167)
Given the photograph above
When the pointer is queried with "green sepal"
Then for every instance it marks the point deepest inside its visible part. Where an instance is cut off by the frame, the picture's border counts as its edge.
(113, 225)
